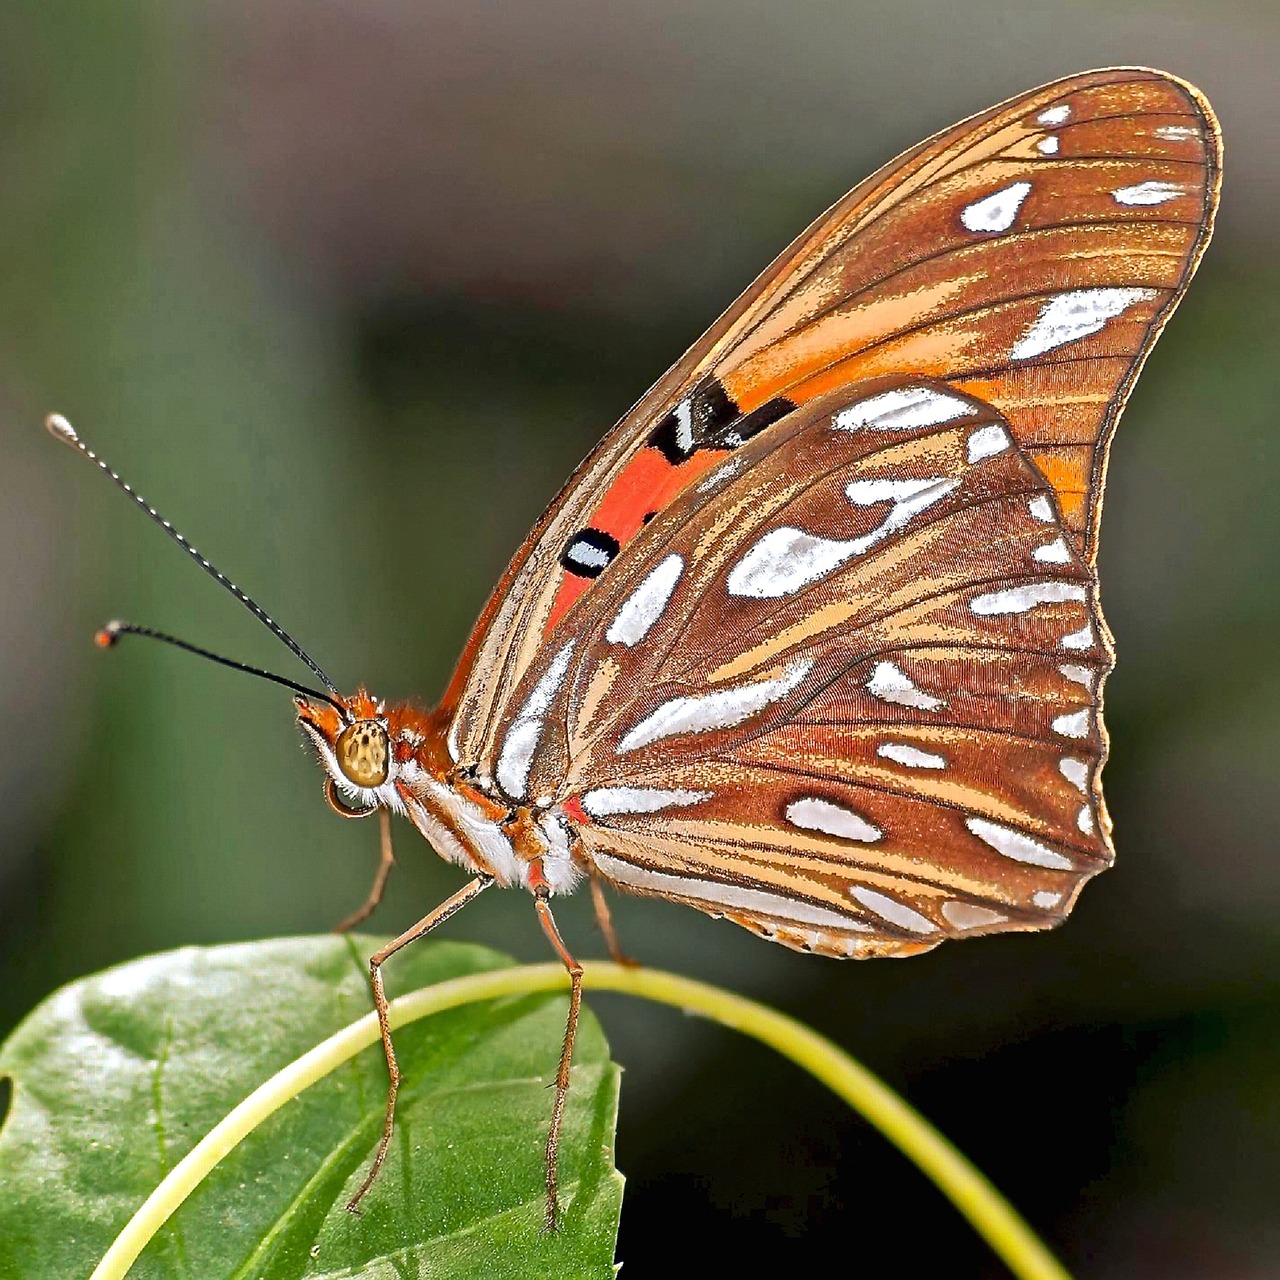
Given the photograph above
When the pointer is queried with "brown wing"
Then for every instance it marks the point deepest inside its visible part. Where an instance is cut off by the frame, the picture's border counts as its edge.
(846, 691)
(1030, 255)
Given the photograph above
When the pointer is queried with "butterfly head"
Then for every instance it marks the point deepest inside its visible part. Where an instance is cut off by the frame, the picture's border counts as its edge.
(365, 747)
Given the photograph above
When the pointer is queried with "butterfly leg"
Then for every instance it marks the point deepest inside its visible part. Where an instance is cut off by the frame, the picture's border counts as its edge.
(424, 926)
(604, 918)
(385, 863)
(542, 895)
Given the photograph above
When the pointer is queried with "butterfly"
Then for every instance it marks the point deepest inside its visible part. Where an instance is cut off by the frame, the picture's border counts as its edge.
(811, 641)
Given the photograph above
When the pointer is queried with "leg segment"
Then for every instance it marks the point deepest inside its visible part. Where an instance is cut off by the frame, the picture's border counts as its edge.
(423, 927)
(379, 880)
(545, 918)
(605, 920)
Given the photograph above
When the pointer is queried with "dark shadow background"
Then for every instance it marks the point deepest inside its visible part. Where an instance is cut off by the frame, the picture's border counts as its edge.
(348, 289)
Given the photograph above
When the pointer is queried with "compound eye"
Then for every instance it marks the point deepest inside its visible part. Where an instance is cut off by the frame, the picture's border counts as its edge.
(363, 754)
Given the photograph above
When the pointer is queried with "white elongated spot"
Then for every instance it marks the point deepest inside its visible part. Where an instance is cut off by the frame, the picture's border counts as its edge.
(1075, 771)
(684, 426)
(968, 915)
(891, 909)
(1176, 132)
(644, 606)
(525, 733)
(786, 560)
(1055, 552)
(996, 212)
(720, 898)
(1048, 146)
(902, 409)
(718, 475)
(1055, 115)
(812, 814)
(912, 757)
(1084, 820)
(891, 684)
(1077, 674)
(866, 493)
(1071, 316)
(1041, 508)
(987, 441)
(1026, 597)
(1046, 898)
(1017, 845)
(704, 712)
(1081, 639)
(1148, 193)
(604, 802)
(1075, 724)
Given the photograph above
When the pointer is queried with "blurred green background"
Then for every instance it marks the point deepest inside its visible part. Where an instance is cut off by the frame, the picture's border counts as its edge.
(347, 289)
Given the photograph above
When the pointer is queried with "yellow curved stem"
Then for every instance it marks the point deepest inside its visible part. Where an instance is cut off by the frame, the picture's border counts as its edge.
(990, 1215)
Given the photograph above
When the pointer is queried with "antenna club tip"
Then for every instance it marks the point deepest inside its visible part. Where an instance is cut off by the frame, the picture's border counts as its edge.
(106, 636)
(60, 429)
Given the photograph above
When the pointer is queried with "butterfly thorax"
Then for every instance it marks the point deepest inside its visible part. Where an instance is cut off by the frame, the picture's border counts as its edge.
(395, 756)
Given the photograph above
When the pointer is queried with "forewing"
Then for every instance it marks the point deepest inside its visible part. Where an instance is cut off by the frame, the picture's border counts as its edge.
(1029, 255)
(847, 691)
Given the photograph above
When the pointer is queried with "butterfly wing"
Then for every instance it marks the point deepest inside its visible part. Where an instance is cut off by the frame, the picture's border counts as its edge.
(1029, 255)
(846, 691)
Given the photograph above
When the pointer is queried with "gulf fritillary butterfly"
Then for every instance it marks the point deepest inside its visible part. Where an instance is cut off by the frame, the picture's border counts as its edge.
(811, 641)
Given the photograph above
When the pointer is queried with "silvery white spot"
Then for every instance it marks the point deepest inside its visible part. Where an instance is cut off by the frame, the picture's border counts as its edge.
(909, 498)
(1026, 597)
(1074, 724)
(1176, 132)
(701, 713)
(1041, 508)
(912, 757)
(902, 409)
(718, 475)
(1017, 845)
(727, 896)
(1055, 115)
(1048, 146)
(1148, 193)
(996, 212)
(1075, 771)
(786, 560)
(590, 557)
(891, 909)
(987, 441)
(1071, 316)
(968, 915)
(1084, 820)
(1055, 552)
(1046, 898)
(890, 684)
(525, 732)
(684, 426)
(813, 814)
(1077, 674)
(866, 493)
(604, 802)
(645, 604)
(1081, 639)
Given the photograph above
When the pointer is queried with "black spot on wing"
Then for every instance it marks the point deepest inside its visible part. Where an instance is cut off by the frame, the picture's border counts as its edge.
(589, 552)
(708, 418)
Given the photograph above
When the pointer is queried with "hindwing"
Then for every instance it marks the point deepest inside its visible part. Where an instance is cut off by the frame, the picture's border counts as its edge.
(845, 691)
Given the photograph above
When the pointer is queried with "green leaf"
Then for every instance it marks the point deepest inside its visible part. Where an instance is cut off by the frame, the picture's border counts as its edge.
(116, 1077)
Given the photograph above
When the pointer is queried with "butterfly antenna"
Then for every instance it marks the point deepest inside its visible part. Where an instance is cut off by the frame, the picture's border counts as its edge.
(106, 636)
(60, 429)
